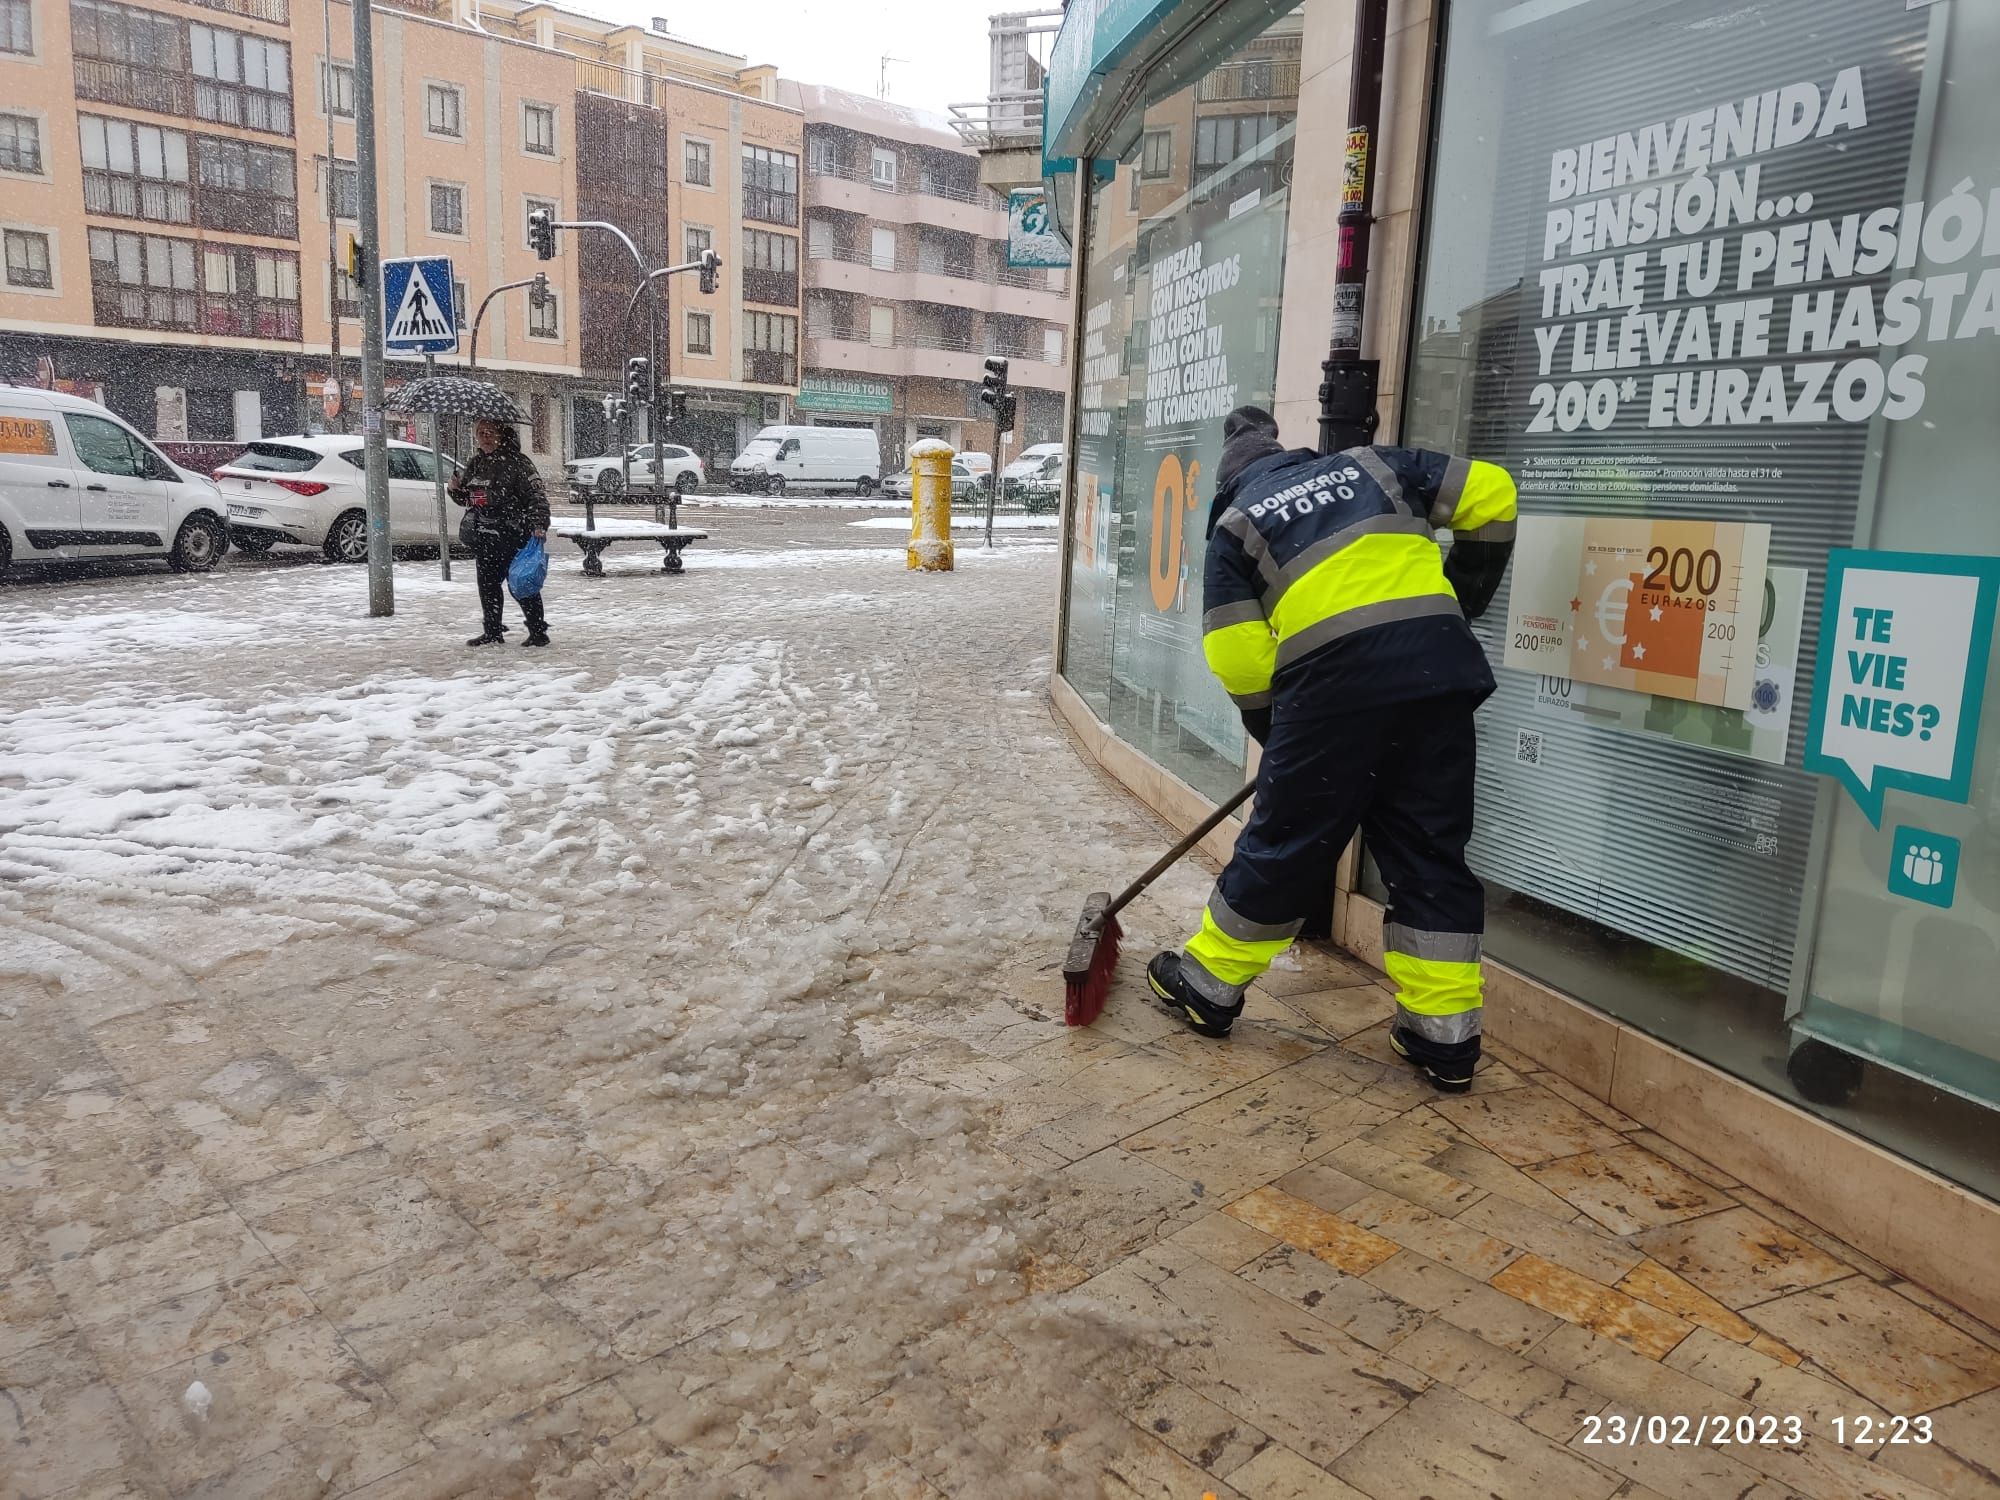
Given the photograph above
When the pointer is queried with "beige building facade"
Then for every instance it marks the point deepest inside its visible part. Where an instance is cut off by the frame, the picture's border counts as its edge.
(179, 189)
(908, 291)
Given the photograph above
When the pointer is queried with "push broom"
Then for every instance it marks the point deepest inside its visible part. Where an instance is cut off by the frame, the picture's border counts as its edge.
(1093, 952)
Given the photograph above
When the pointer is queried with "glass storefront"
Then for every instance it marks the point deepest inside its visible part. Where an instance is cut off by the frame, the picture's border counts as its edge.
(1719, 281)
(1183, 259)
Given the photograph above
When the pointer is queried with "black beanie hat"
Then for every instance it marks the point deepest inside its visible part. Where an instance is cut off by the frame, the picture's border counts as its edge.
(1248, 434)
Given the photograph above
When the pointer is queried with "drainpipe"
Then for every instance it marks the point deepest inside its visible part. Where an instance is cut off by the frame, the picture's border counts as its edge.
(1347, 416)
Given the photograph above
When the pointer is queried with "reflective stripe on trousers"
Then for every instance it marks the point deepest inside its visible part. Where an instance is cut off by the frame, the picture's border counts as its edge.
(1438, 982)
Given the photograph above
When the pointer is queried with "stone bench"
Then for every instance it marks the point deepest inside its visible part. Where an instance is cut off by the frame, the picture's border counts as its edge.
(615, 529)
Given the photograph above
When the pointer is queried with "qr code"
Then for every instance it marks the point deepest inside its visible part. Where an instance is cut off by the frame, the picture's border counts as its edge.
(1528, 747)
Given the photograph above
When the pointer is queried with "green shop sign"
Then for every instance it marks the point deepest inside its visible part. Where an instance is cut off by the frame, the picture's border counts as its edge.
(832, 393)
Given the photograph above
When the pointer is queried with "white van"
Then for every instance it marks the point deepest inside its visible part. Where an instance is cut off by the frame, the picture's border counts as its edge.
(809, 458)
(77, 484)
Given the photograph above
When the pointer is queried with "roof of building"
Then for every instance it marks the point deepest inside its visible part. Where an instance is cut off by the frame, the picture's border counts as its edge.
(899, 122)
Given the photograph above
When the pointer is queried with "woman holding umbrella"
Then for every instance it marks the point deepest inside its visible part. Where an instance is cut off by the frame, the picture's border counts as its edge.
(506, 504)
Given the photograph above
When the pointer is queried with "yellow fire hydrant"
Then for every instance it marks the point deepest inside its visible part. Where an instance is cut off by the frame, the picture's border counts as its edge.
(930, 506)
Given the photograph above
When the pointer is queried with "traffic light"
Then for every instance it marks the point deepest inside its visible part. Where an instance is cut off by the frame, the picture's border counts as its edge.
(538, 290)
(1003, 413)
(993, 388)
(711, 272)
(357, 261)
(638, 379)
(542, 234)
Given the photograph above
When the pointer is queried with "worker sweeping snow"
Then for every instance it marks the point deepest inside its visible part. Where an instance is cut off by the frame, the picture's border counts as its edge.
(1338, 626)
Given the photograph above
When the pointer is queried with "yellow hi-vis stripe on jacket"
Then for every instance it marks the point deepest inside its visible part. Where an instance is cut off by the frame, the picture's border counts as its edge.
(1374, 569)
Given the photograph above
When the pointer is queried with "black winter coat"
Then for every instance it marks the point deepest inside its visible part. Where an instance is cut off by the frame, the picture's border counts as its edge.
(516, 499)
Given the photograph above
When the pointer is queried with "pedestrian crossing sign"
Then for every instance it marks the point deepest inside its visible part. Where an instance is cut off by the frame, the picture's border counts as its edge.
(417, 312)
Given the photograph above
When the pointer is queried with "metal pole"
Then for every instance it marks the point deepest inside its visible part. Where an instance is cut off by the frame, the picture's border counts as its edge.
(653, 423)
(332, 233)
(375, 439)
(437, 478)
(1347, 416)
(472, 360)
(993, 489)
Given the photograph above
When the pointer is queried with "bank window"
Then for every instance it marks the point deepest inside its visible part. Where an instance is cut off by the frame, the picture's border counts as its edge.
(17, 30)
(336, 89)
(538, 129)
(697, 163)
(444, 111)
(529, 208)
(700, 333)
(1156, 154)
(544, 317)
(20, 144)
(28, 263)
(447, 208)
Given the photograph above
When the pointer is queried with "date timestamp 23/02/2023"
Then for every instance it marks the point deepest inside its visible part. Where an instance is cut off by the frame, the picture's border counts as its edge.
(1718, 1430)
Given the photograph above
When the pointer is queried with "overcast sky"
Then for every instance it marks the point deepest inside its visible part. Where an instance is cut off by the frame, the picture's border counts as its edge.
(841, 42)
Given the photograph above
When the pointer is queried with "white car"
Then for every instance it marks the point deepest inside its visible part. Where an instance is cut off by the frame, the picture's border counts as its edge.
(965, 482)
(310, 491)
(78, 484)
(679, 467)
(1029, 466)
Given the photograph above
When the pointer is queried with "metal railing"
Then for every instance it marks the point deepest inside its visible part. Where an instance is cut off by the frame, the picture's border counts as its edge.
(947, 343)
(923, 185)
(1249, 78)
(916, 262)
(999, 121)
(277, 12)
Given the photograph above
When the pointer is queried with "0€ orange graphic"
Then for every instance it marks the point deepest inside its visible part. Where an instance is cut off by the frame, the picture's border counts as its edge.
(1173, 495)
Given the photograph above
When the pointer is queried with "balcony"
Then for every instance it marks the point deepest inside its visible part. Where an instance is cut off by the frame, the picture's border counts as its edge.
(1003, 122)
(970, 210)
(277, 12)
(772, 288)
(925, 356)
(917, 277)
(769, 367)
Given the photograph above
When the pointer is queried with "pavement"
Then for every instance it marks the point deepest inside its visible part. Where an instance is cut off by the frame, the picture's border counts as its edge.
(635, 1068)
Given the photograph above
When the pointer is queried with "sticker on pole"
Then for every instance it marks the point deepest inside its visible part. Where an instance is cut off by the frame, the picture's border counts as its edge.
(417, 312)
(1904, 642)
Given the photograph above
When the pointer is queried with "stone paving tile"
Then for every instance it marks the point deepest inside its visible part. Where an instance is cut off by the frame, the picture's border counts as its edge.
(1538, 1399)
(1654, 1284)
(1772, 1386)
(1338, 1012)
(1412, 1181)
(1457, 1299)
(1579, 1245)
(293, 1384)
(135, 1342)
(343, 1234)
(1223, 1165)
(1628, 1189)
(1526, 1125)
(1305, 1384)
(1480, 1167)
(1882, 1345)
(1280, 1474)
(1963, 1460)
(1111, 1204)
(54, 1397)
(120, 1279)
(1457, 1244)
(1739, 1257)
(1487, 1457)
(1312, 1229)
(1578, 1299)
(1223, 1241)
(1362, 1311)
(31, 1310)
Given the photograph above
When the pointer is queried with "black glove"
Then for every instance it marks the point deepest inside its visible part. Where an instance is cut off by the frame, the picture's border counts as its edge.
(1256, 723)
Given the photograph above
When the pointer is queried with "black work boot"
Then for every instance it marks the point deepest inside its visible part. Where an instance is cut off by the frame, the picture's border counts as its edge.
(1178, 995)
(485, 638)
(1449, 1070)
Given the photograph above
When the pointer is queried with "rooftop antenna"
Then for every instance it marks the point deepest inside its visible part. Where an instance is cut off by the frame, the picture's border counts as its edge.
(882, 79)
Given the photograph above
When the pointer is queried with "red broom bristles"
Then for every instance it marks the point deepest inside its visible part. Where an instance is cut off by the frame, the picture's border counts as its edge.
(1084, 996)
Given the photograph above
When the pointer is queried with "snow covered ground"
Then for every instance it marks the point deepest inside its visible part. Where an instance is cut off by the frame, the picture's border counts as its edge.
(572, 1007)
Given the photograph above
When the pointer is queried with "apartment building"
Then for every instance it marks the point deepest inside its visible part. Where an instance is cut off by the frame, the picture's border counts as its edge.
(177, 182)
(907, 285)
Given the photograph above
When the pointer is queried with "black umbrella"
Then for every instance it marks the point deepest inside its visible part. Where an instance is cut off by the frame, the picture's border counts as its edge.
(456, 396)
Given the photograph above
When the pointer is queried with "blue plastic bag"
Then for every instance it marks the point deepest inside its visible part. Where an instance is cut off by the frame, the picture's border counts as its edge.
(529, 569)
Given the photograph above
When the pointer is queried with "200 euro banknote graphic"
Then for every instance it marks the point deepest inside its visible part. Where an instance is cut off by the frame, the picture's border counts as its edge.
(1650, 606)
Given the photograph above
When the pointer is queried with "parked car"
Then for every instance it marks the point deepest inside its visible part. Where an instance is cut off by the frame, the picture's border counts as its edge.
(1028, 466)
(77, 484)
(1041, 490)
(965, 482)
(310, 491)
(809, 458)
(981, 465)
(679, 466)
